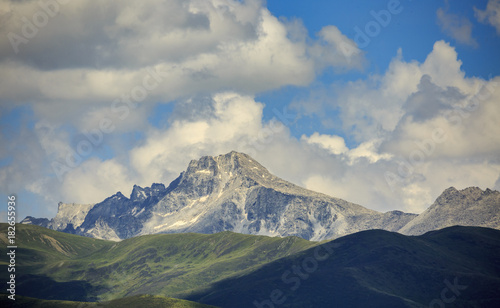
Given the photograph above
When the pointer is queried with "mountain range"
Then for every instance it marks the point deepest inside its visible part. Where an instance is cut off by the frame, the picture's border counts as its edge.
(233, 192)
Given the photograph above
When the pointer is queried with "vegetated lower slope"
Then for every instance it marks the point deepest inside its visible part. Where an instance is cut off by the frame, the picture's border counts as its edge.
(56, 265)
(375, 269)
(143, 301)
(368, 269)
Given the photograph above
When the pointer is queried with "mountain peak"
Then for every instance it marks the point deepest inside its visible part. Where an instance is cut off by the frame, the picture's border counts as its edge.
(450, 190)
(475, 193)
(119, 195)
(447, 195)
(231, 164)
(138, 193)
(471, 206)
(453, 195)
(236, 160)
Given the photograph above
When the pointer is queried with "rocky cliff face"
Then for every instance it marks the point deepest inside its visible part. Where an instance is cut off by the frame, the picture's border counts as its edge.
(233, 192)
(69, 216)
(468, 207)
(119, 217)
(115, 218)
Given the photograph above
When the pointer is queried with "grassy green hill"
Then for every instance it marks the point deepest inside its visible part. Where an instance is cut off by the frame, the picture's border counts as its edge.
(143, 301)
(376, 269)
(368, 269)
(55, 265)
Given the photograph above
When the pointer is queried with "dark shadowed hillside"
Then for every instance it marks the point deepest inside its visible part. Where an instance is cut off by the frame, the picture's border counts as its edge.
(375, 269)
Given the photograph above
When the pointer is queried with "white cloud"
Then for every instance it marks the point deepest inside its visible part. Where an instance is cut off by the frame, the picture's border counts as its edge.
(371, 108)
(490, 15)
(466, 123)
(334, 144)
(27, 163)
(335, 49)
(369, 150)
(93, 181)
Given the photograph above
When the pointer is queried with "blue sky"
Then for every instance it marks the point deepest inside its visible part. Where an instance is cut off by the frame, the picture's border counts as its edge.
(96, 98)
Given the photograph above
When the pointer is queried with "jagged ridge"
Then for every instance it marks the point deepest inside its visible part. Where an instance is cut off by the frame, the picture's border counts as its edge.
(467, 207)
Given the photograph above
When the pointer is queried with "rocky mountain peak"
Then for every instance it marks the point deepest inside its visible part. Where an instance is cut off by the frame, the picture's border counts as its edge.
(467, 207)
(118, 195)
(214, 173)
(452, 195)
(476, 193)
(232, 163)
(70, 214)
(140, 194)
(157, 188)
(203, 166)
(447, 195)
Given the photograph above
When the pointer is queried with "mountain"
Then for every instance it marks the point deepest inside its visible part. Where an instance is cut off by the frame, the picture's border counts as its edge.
(234, 192)
(230, 192)
(68, 216)
(452, 267)
(372, 268)
(468, 207)
(119, 217)
(115, 218)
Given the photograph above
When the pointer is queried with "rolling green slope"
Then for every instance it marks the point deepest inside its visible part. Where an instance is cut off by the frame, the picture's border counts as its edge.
(55, 265)
(368, 269)
(375, 269)
(143, 301)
